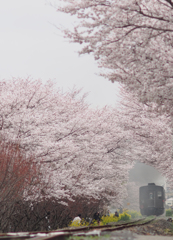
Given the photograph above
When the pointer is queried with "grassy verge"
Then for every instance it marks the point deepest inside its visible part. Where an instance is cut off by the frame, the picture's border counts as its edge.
(125, 216)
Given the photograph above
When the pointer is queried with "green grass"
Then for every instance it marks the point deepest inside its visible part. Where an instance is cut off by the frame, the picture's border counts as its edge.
(169, 212)
(134, 214)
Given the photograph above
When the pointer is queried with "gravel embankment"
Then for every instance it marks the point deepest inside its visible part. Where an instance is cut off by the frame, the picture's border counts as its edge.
(159, 229)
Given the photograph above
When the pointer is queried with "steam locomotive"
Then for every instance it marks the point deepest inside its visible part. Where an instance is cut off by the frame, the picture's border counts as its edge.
(152, 199)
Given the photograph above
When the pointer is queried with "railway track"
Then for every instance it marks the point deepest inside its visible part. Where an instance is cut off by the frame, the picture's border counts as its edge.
(81, 231)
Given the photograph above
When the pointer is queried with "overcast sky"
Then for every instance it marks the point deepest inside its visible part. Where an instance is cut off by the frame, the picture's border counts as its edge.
(30, 45)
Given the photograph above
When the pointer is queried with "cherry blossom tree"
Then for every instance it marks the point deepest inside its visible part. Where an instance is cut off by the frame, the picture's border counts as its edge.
(132, 200)
(150, 133)
(80, 151)
(131, 40)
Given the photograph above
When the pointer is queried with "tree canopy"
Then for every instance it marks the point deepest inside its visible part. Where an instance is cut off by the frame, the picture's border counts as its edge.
(80, 151)
(132, 42)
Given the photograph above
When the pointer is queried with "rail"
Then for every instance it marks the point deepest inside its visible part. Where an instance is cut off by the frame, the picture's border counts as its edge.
(63, 234)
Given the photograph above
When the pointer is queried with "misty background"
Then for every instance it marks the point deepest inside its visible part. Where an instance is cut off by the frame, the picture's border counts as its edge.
(144, 174)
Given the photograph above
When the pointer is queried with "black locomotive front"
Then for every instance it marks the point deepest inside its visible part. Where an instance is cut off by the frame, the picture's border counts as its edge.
(152, 199)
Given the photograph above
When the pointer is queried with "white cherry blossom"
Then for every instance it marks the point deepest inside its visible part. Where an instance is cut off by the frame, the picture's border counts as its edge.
(81, 151)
